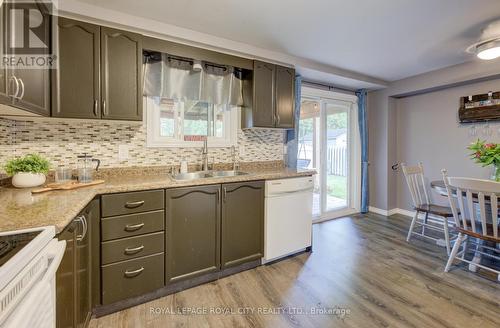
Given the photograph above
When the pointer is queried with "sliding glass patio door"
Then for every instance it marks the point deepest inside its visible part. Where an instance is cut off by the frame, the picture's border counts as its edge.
(326, 144)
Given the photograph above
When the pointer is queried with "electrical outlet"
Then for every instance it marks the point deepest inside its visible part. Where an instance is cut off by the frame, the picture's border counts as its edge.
(122, 152)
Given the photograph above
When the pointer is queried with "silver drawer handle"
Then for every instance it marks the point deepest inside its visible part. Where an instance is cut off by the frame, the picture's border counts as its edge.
(130, 251)
(134, 204)
(130, 274)
(133, 227)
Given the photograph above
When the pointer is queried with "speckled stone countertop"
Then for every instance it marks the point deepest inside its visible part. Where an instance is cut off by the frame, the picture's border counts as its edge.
(20, 209)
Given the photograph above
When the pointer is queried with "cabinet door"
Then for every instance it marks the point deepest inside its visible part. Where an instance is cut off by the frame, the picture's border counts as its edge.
(263, 95)
(242, 223)
(87, 260)
(94, 235)
(121, 61)
(192, 232)
(82, 271)
(34, 83)
(4, 98)
(285, 97)
(65, 281)
(75, 84)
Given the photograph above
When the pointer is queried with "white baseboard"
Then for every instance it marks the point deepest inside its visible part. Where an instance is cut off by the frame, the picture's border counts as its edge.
(383, 212)
(401, 211)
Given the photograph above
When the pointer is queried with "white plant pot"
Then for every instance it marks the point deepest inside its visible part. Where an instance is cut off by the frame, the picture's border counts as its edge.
(28, 180)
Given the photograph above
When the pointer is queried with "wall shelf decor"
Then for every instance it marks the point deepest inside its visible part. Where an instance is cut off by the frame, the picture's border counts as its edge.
(480, 108)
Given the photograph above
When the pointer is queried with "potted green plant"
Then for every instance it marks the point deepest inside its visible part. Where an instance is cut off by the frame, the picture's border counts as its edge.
(487, 154)
(28, 171)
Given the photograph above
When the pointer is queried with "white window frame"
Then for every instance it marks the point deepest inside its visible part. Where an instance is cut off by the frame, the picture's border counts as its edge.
(154, 139)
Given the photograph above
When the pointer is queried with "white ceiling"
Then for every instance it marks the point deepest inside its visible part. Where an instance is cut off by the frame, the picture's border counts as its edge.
(385, 39)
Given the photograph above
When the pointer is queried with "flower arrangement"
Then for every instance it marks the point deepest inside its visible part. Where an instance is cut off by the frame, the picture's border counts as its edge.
(487, 154)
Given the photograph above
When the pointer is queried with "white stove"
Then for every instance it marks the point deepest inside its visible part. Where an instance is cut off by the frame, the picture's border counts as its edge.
(29, 260)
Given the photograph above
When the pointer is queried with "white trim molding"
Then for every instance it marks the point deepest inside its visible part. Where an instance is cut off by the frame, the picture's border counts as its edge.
(383, 212)
(393, 211)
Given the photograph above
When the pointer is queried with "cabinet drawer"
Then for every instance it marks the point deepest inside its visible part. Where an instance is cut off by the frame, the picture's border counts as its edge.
(132, 278)
(132, 225)
(129, 248)
(132, 202)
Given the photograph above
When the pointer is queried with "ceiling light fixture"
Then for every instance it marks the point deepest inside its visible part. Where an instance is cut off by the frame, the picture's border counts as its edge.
(488, 46)
(488, 50)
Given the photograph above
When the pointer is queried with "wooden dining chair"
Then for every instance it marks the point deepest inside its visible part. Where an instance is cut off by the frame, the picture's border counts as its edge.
(464, 194)
(440, 214)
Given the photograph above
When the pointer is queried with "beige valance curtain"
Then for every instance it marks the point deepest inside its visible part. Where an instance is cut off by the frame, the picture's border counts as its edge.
(177, 78)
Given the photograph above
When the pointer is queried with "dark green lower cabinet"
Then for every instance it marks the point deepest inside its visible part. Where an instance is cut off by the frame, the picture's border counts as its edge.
(192, 232)
(242, 223)
(132, 278)
(215, 227)
(65, 280)
(76, 278)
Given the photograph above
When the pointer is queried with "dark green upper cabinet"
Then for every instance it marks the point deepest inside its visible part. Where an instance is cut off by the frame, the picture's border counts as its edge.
(4, 98)
(273, 97)
(285, 97)
(76, 89)
(242, 223)
(263, 95)
(192, 232)
(27, 88)
(121, 66)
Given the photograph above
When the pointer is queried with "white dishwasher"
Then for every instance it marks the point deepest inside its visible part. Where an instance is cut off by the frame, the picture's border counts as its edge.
(288, 217)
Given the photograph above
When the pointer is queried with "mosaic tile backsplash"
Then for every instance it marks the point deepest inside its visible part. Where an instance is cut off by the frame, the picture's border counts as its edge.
(62, 140)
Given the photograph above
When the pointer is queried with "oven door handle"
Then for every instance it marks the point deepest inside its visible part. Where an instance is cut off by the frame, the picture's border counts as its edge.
(55, 254)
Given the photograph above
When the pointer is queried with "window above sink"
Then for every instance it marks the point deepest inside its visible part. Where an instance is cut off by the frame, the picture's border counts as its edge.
(174, 123)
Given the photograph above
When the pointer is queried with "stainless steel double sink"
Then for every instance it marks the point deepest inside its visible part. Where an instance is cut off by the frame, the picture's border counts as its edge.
(206, 175)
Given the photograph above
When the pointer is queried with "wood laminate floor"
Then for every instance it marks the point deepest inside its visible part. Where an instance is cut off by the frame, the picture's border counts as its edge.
(361, 264)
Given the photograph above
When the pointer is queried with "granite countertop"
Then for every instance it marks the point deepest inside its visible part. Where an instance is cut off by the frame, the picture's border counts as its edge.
(20, 209)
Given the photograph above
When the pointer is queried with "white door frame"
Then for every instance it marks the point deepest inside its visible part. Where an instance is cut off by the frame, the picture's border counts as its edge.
(354, 150)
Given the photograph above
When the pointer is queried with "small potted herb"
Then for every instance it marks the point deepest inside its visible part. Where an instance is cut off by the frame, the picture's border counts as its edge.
(487, 154)
(28, 171)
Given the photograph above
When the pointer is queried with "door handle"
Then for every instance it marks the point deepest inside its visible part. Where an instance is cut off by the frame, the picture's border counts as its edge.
(134, 250)
(95, 107)
(224, 194)
(104, 107)
(22, 89)
(85, 226)
(133, 227)
(277, 118)
(133, 273)
(80, 219)
(13, 78)
(134, 204)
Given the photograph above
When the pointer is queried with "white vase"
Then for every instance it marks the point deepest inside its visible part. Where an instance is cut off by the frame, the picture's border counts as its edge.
(28, 180)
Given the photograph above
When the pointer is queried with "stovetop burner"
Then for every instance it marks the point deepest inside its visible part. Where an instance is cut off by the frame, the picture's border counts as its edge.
(12, 244)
